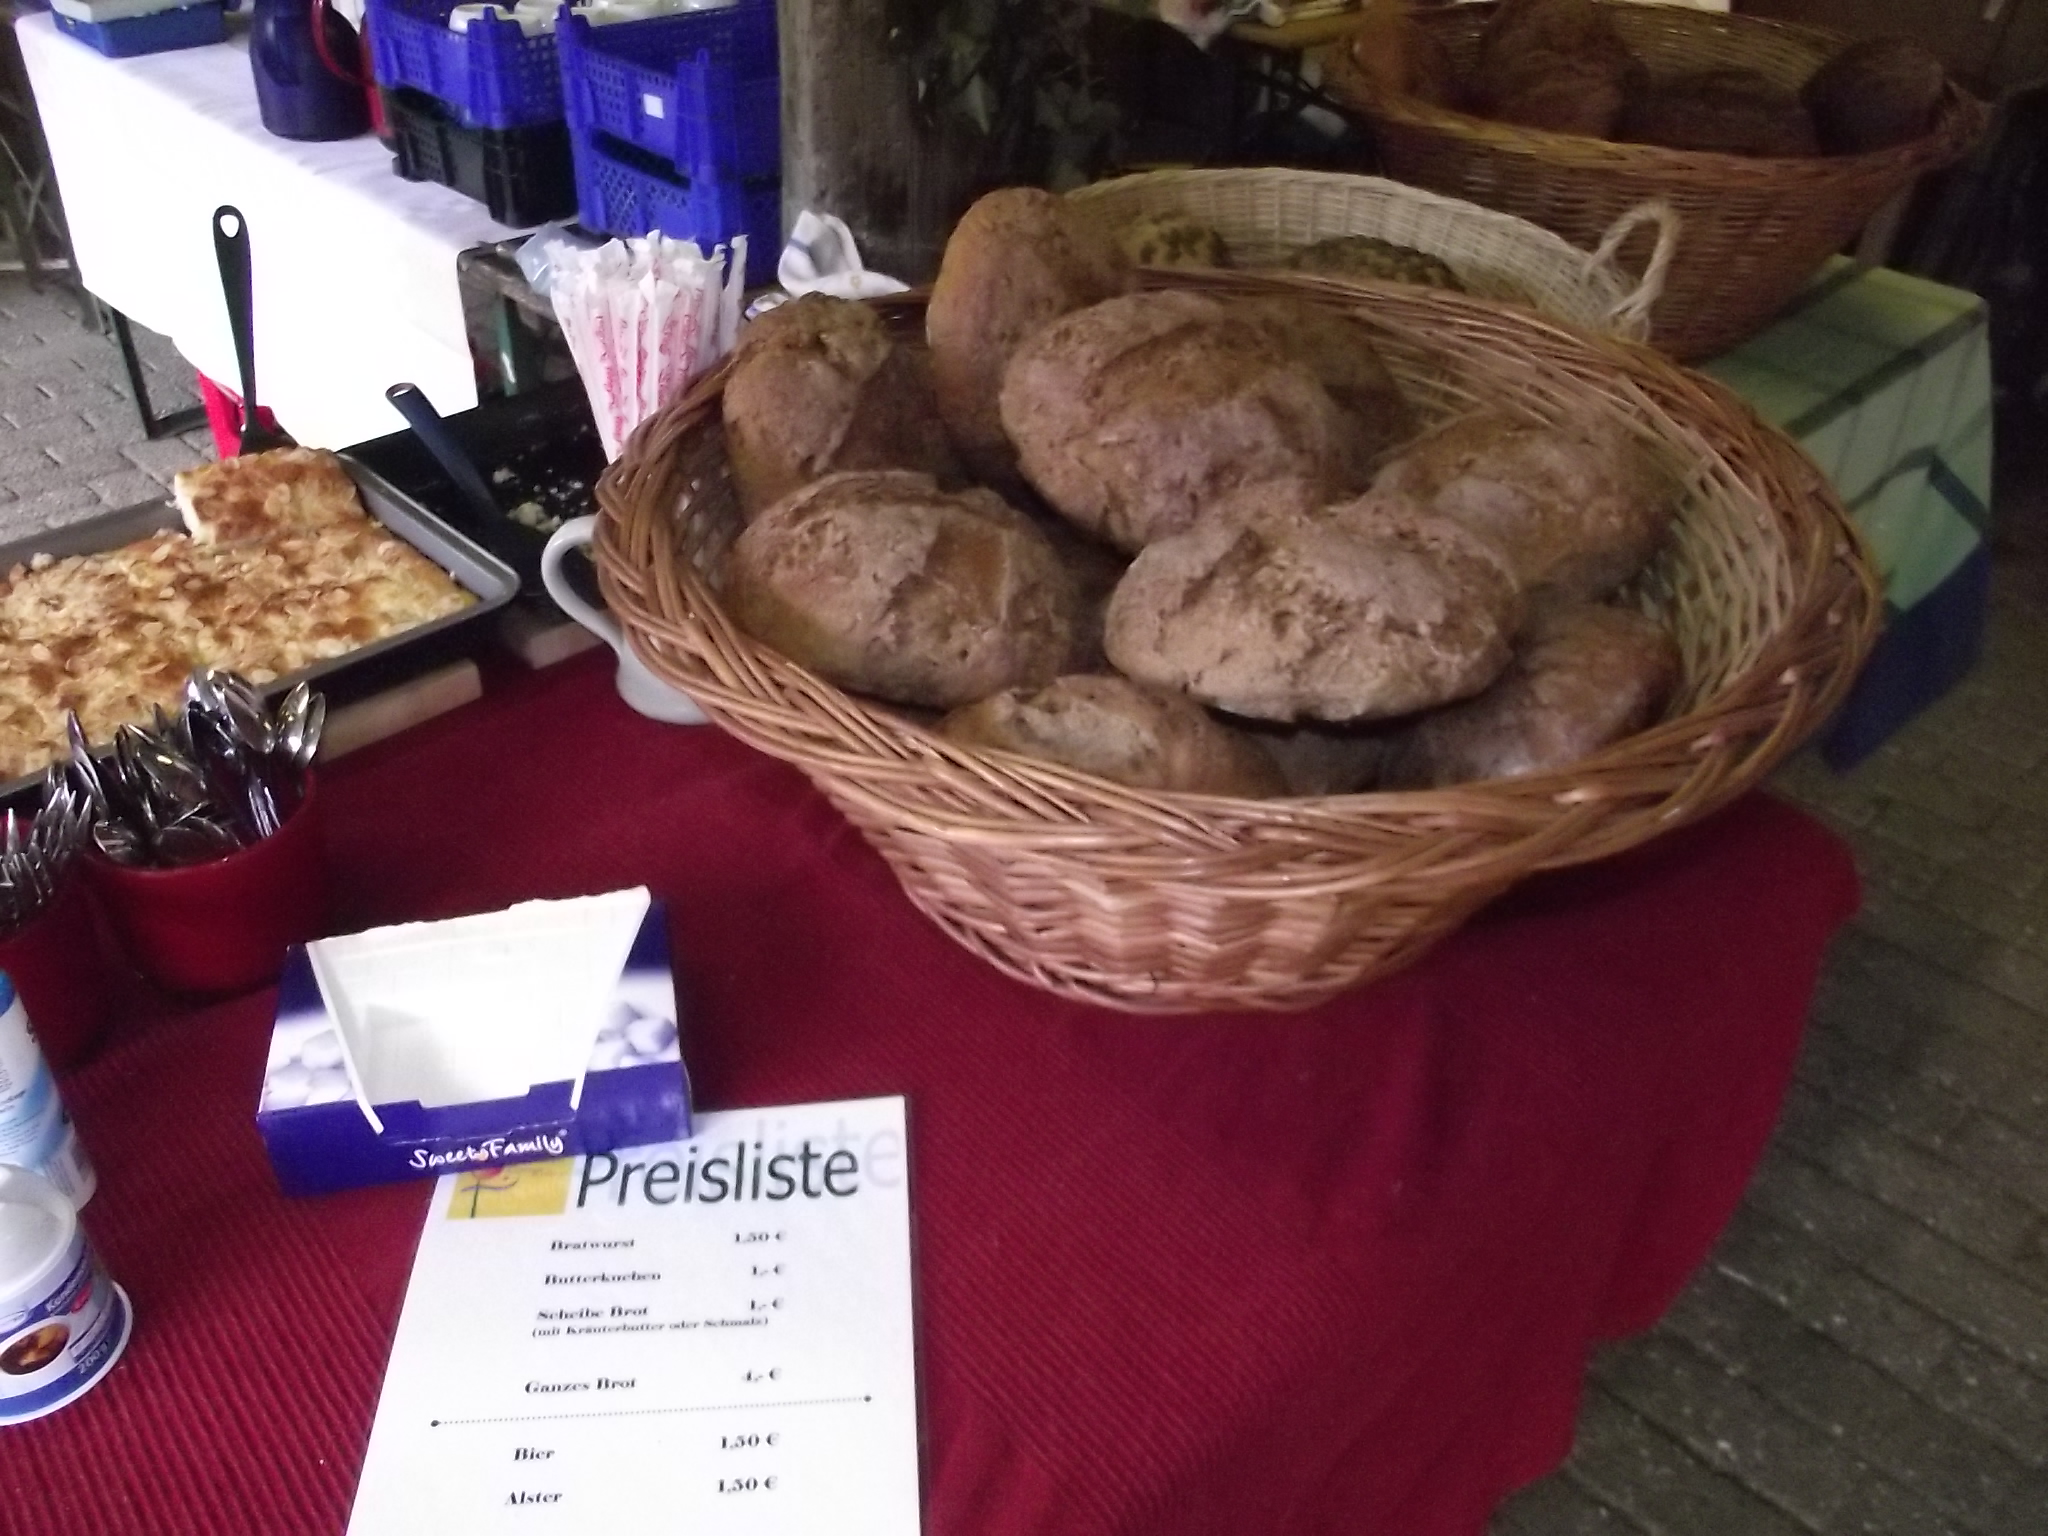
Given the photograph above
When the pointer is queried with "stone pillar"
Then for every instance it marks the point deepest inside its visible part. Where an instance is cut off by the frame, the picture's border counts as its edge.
(852, 144)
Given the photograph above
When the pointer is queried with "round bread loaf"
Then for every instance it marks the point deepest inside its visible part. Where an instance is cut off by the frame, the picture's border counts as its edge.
(1365, 256)
(1389, 53)
(1111, 727)
(1094, 569)
(1559, 65)
(1017, 260)
(1130, 417)
(1577, 513)
(1339, 352)
(1585, 676)
(1719, 111)
(884, 583)
(1874, 94)
(1171, 239)
(1317, 760)
(1359, 611)
(818, 385)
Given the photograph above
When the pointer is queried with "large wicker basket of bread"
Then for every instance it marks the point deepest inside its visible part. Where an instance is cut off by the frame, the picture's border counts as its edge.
(1775, 144)
(1219, 641)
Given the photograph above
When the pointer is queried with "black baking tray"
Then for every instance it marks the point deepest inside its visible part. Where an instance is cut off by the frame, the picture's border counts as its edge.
(540, 445)
(359, 673)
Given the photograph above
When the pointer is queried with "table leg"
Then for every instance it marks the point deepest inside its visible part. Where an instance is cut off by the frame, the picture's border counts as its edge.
(153, 425)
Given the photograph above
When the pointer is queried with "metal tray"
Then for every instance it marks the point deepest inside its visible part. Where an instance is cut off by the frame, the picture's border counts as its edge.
(356, 674)
(542, 444)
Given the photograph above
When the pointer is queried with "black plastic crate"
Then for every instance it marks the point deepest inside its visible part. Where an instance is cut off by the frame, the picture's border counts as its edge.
(524, 176)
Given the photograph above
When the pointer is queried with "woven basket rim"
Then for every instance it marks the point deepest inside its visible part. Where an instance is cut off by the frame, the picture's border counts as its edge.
(1464, 208)
(1622, 300)
(1959, 119)
(1847, 581)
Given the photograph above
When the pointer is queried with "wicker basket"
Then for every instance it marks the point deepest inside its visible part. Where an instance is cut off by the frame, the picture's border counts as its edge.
(1179, 903)
(1753, 230)
(1265, 214)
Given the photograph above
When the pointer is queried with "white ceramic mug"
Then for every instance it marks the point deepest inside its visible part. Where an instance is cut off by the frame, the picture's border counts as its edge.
(639, 687)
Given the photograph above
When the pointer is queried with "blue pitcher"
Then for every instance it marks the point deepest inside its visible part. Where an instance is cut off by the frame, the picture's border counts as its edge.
(304, 54)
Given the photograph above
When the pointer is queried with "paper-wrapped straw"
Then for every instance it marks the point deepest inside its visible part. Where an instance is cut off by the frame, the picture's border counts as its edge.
(644, 317)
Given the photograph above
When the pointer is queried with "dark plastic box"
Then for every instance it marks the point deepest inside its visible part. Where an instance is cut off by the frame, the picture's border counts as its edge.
(522, 175)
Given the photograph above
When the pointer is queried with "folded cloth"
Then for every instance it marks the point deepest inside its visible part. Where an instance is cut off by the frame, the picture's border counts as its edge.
(822, 258)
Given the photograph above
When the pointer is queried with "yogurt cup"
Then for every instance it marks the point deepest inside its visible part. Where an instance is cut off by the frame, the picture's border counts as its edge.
(63, 1323)
(35, 1132)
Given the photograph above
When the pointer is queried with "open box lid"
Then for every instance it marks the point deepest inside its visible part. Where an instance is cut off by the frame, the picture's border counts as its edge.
(477, 1008)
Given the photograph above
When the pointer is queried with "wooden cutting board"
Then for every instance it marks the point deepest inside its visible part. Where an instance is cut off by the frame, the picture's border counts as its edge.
(397, 709)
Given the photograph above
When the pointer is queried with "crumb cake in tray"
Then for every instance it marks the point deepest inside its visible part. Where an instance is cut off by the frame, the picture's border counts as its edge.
(280, 566)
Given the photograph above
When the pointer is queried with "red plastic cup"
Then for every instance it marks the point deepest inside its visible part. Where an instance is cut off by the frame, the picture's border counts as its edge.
(221, 928)
(55, 965)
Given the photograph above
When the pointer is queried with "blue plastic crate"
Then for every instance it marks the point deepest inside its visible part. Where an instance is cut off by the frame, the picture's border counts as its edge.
(622, 191)
(491, 76)
(189, 26)
(702, 89)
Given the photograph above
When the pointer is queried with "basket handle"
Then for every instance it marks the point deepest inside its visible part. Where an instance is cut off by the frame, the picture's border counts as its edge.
(1633, 308)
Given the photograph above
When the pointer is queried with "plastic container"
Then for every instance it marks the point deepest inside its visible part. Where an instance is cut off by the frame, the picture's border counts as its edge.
(35, 1133)
(189, 26)
(63, 1323)
(222, 928)
(305, 58)
(522, 175)
(490, 75)
(56, 965)
(700, 90)
(623, 191)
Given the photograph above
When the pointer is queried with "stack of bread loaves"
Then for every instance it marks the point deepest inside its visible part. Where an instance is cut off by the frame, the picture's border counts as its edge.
(1563, 66)
(1203, 549)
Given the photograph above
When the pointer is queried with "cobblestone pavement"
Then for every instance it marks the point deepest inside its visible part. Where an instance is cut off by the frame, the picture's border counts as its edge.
(71, 443)
(1867, 1352)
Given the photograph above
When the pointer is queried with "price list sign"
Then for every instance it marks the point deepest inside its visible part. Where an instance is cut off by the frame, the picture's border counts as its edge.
(711, 1337)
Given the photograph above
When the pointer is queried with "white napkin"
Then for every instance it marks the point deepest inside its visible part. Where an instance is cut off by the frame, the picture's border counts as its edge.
(822, 258)
(642, 318)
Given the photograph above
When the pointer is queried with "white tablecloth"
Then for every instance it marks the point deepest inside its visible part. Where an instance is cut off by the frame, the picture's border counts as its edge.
(355, 284)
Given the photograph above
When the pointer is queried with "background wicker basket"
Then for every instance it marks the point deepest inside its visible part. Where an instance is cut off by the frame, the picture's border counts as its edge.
(1752, 231)
(1264, 214)
(1178, 903)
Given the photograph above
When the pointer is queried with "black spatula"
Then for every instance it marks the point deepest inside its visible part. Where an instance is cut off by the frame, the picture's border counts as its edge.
(231, 249)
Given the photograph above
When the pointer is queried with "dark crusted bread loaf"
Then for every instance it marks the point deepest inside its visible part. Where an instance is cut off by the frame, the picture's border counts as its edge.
(1018, 260)
(1362, 610)
(1575, 512)
(884, 583)
(1319, 760)
(1718, 111)
(1584, 677)
(1874, 94)
(818, 385)
(1388, 53)
(1132, 416)
(1559, 65)
(1111, 727)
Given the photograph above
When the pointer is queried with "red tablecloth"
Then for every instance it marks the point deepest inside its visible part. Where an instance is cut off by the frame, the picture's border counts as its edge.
(1336, 1272)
